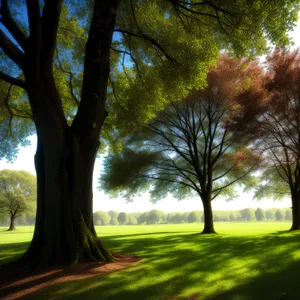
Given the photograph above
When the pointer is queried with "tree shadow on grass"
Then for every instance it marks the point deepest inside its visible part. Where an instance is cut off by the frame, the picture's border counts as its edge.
(12, 251)
(185, 266)
(25, 283)
(280, 284)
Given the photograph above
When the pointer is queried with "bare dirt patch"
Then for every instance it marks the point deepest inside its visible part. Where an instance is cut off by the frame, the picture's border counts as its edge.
(17, 282)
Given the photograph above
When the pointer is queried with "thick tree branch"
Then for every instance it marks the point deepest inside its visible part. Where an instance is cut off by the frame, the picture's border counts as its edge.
(92, 109)
(201, 3)
(15, 81)
(50, 21)
(8, 21)
(34, 20)
(11, 50)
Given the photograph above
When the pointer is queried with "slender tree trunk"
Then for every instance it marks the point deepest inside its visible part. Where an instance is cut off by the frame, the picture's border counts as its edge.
(12, 222)
(208, 216)
(295, 212)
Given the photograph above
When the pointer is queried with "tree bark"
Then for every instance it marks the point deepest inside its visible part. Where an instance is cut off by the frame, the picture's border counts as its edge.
(64, 231)
(295, 212)
(208, 216)
(12, 222)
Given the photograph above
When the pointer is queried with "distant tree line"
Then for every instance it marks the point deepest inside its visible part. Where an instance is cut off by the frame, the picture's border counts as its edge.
(160, 217)
(156, 216)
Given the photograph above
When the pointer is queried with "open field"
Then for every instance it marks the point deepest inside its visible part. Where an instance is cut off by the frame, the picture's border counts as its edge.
(258, 261)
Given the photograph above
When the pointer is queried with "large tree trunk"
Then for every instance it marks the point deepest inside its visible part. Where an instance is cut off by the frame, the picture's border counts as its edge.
(295, 212)
(64, 230)
(208, 216)
(64, 161)
(12, 222)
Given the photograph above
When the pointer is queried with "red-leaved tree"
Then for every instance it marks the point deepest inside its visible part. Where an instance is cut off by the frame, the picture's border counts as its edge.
(270, 114)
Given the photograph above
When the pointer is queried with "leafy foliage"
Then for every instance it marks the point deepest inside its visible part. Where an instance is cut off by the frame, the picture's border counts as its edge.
(17, 192)
(247, 214)
(271, 115)
(259, 214)
(189, 146)
(101, 218)
(123, 218)
(149, 68)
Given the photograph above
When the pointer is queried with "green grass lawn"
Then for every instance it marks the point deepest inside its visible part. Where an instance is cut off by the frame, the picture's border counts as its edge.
(258, 261)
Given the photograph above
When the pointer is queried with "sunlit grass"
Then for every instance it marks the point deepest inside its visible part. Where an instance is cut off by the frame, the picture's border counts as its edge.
(244, 261)
(14, 243)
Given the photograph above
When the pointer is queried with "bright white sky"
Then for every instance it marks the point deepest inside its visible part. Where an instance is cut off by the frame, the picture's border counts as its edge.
(25, 161)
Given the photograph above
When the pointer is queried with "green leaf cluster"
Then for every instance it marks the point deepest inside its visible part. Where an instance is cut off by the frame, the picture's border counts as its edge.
(162, 49)
(17, 191)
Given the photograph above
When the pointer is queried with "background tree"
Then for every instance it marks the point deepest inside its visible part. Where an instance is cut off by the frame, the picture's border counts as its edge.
(123, 218)
(231, 217)
(188, 147)
(55, 67)
(259, 214)
(174, 218)
(132, 220)
(247, 214)
(194, 217)
(271, 113)
(101, 218)
(279, 216)
(135, 214)
(185, 217)
(154, 216)
(30, 217)
(113, 214)
(17, 193)
(142, 219)
(288, 215)
(3, 218)
(270, 214)
(114, 221)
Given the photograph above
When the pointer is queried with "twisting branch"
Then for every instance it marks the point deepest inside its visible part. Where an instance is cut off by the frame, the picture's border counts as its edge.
(189, 11)
(209, 3)
(149, 39)
(11, 50)
(220, 23)
(11, 109)
(115, 95)
(128, 46)
(71, 87)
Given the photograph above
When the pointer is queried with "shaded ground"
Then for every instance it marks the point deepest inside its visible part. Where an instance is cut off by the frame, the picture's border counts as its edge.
(17, 282)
